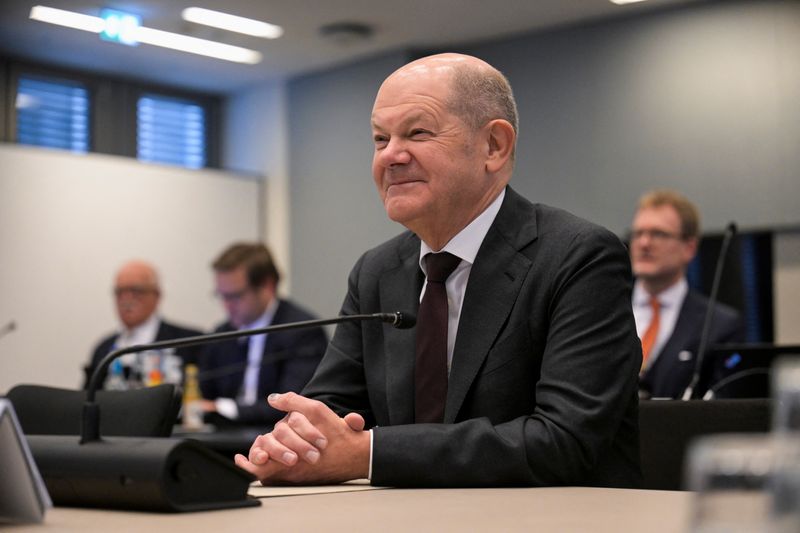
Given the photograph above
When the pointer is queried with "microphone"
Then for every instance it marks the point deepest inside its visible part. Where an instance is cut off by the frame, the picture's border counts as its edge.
(90, 422)
(154, 474)
(730, 232)
(737, 376)
(8, 328)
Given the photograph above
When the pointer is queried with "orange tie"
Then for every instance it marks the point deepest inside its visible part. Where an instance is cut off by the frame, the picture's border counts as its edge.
(649, 338)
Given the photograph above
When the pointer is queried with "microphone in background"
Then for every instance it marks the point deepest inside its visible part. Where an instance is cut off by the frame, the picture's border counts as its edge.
(8, 328)
(154, 474)
(733, 378)
(730, 232)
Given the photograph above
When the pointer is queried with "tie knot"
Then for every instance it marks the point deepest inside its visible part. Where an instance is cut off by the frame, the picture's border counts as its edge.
(440, 266)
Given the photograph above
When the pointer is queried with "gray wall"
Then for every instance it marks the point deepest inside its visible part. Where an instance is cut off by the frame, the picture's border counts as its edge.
(703, 99)
(336, 212)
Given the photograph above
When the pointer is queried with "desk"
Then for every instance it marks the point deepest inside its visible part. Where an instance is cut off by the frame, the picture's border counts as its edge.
(557, 509)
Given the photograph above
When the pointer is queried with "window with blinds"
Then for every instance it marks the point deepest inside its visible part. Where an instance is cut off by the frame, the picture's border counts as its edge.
(171, 130)
(52, 113)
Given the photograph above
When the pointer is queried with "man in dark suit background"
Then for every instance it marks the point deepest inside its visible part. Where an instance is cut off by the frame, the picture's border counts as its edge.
(137, 294)
(669, 315)
(237, 375)
(541, 357)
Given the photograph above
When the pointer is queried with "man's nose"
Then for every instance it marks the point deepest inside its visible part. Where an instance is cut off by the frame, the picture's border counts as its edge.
(394, 153)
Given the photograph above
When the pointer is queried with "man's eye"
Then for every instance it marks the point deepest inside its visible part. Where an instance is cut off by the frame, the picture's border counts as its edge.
(380, 139)
(418, 132)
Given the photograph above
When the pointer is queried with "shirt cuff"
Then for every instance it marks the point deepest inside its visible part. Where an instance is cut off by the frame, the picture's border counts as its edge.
(227, 407)
(369, 474)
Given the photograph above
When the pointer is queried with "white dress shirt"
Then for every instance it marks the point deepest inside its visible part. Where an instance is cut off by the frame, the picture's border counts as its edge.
(670, 302)
(465, 246)
(144, 333)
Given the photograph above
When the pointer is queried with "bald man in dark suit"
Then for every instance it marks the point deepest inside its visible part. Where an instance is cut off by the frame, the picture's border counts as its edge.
(542, 356)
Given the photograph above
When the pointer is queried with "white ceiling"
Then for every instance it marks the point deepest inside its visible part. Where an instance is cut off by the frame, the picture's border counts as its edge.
(397, 24)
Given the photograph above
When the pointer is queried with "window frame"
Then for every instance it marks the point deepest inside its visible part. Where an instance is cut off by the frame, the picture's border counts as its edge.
(112, 107)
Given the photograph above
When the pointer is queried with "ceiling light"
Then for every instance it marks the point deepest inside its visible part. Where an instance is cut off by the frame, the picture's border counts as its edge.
(141, 34)
(193, 45)
(233, 23)
(79, 21)
(621, 2)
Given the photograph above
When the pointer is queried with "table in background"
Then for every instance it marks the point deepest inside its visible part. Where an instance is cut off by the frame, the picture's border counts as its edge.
(557, 509)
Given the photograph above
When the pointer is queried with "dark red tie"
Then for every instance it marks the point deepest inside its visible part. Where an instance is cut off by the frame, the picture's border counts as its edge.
(430, 372)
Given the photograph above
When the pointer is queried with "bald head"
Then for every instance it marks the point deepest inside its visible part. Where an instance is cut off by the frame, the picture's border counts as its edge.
(478, 92)
(137, 292)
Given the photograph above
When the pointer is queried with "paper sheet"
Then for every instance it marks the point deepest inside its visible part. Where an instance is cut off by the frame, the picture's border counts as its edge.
(258, 491)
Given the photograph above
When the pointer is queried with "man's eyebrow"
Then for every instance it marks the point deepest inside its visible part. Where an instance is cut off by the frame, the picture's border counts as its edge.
(406, 121)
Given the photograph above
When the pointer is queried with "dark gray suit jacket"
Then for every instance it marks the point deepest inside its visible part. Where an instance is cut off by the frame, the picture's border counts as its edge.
(543, 383)
(671, 372)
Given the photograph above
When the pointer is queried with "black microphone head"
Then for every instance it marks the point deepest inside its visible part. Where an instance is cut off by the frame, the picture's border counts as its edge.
(403, 320)
(732, 229)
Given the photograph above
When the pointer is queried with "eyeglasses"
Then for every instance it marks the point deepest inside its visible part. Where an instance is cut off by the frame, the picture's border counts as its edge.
(654, 235)
(135, 291)
(232, 296)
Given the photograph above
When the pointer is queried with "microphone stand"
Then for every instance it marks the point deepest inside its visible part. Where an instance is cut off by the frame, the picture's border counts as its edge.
(730, 231)
(153, 474)
(90, 421)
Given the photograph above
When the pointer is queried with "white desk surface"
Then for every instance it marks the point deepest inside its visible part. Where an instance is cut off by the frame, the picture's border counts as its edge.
(557, 509)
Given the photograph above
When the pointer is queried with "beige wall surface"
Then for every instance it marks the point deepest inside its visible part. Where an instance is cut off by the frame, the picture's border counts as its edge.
(786, 287)
(67, 222)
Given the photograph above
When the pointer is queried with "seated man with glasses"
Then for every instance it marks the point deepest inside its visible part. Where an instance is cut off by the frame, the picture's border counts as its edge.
(669, 315)
(237, 375)
(137, 294)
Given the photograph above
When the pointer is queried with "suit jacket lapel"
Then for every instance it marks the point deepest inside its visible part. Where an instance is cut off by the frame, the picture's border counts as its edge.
(399, 291)
(494, 282)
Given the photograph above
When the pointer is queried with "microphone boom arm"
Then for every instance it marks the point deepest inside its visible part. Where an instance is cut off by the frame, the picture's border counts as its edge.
(90, 421)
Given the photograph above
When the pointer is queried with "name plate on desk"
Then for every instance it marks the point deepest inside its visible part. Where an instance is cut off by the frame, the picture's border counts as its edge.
(23, 496)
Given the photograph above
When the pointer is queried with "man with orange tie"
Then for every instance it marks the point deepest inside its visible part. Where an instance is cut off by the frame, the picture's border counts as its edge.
(669, 316)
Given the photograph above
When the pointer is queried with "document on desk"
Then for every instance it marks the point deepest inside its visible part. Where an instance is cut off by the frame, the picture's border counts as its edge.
(256, 490)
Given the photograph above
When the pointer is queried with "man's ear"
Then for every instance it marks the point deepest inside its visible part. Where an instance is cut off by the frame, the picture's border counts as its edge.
(501, 144)
(690, 249)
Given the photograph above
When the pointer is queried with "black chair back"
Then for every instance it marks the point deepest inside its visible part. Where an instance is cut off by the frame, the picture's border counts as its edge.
(667, 427)
(147, 412)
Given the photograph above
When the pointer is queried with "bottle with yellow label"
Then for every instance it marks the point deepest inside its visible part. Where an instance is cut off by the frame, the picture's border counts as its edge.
(192, 400)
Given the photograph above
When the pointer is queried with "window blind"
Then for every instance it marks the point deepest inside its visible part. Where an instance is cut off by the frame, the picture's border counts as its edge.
(170, 131)
(53, 113)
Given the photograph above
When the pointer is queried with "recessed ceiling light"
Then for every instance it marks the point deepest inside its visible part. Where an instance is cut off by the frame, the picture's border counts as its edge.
(622, 2)
(224, 21)
(141, 34)
(347, 32)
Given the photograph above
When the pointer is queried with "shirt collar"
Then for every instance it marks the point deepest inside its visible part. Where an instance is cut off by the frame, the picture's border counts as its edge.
(670, 297)
(266, 317)
(146, 330)
(466, 243)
